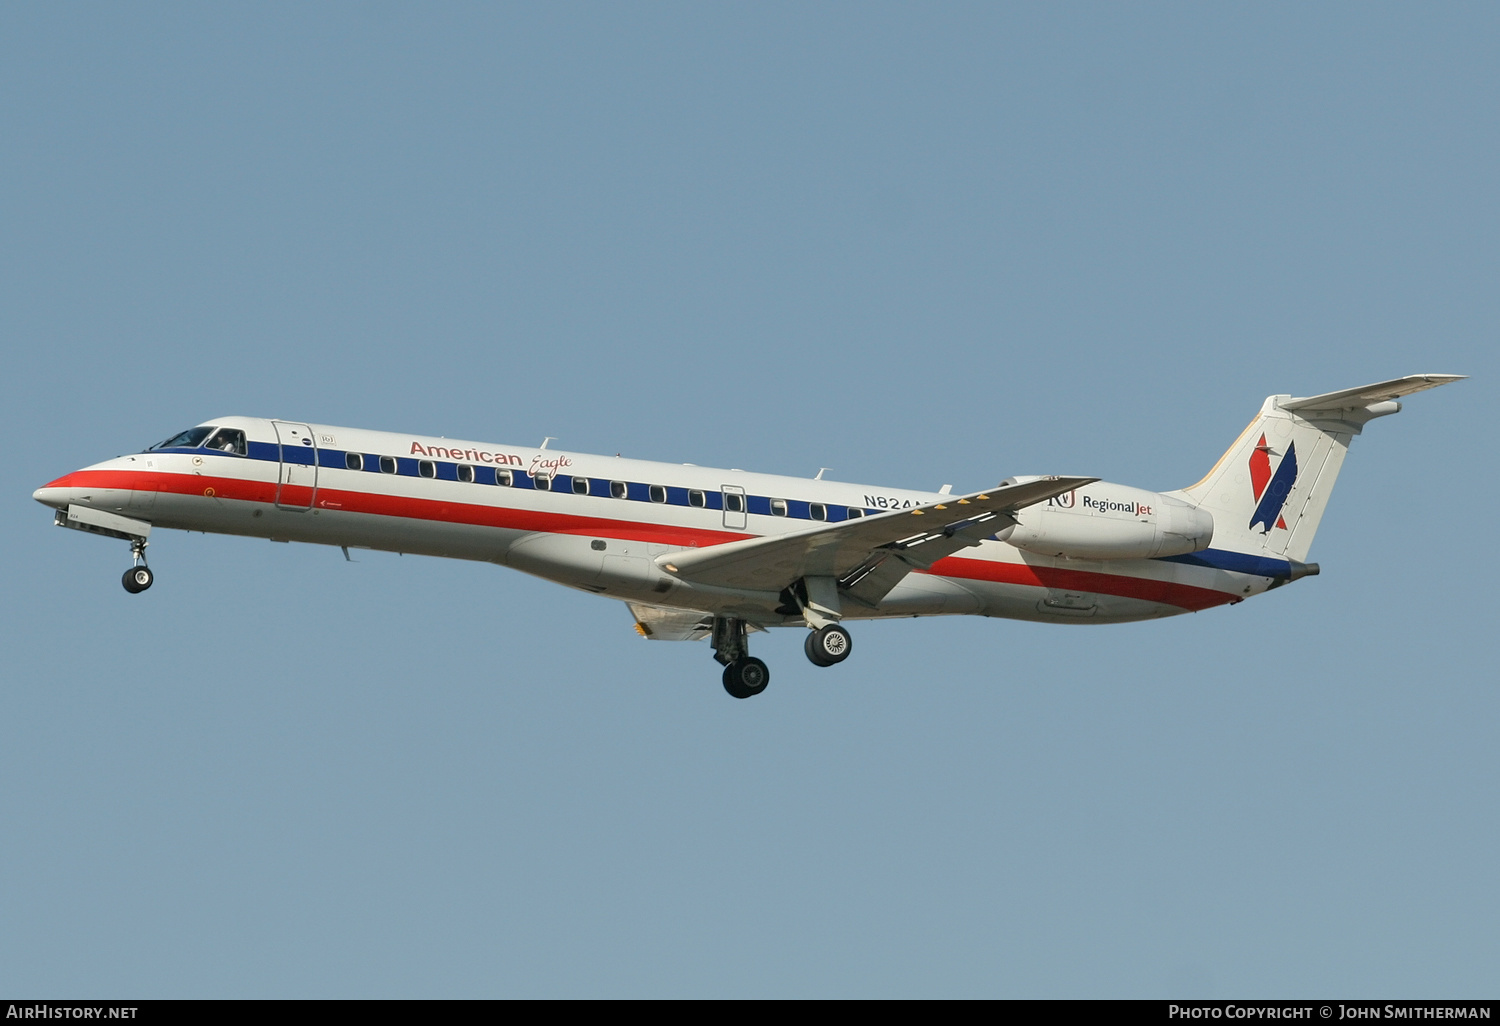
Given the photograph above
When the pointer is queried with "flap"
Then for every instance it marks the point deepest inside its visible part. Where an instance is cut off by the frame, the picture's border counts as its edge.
(666, 623)
(663, 623)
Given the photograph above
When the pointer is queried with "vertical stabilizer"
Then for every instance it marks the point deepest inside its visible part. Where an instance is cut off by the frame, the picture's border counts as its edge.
(1267, 494)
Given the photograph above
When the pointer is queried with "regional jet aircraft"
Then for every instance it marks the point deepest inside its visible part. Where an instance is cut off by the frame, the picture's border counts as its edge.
(700, 553)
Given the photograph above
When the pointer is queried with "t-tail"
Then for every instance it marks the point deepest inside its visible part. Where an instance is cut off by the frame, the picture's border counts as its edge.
(1268, 492)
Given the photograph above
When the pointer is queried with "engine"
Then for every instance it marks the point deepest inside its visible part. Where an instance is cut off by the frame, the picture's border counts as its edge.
(1108, 521)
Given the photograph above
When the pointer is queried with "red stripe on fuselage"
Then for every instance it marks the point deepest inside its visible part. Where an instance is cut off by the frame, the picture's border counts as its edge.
(399, 506)
(178, 484)
(1184, 596)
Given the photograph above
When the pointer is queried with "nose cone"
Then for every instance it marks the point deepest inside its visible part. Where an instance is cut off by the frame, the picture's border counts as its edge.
(57, 494)
(104, 484)
(76, 488)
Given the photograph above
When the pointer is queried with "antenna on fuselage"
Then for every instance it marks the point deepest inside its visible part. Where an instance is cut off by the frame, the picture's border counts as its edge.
(549, 438)
(821, 472)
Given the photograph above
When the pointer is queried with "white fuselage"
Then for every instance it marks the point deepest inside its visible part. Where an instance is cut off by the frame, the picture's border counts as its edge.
(599, 523)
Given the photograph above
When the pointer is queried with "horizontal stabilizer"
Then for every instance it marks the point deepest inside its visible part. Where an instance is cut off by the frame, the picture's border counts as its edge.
(1353, 398)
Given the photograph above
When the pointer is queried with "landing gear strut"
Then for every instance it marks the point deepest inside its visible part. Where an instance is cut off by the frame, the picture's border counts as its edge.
(828, 645)
(139, 577)
(744, 675)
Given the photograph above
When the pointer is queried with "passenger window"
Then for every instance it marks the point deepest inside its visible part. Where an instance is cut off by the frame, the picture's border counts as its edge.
(354, 461)
(619, 490)
(502, 478)
(580, 486)
(855, 514)
(189, 439)
(778, 507)
(228, 440)
(426, 468)
(658, 493)
(817, 511)
(695, 498)
(734, 502)
(466, 473)
(543, 482)
(387, 464)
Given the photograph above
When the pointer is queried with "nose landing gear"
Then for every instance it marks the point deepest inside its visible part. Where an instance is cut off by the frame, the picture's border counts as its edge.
(139, 577)
(111, 525)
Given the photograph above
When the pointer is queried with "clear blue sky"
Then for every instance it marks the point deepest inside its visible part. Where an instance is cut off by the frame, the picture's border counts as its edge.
(918, 244)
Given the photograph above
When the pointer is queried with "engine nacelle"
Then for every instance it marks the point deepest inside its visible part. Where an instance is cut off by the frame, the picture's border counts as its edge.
(1108, 521)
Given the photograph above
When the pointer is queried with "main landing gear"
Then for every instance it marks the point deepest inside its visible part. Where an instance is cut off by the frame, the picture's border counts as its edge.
(139, 577)
(828, 645)
(745, 676)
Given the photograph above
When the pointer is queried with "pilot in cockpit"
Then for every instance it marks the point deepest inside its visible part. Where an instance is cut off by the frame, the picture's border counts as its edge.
(231, 440)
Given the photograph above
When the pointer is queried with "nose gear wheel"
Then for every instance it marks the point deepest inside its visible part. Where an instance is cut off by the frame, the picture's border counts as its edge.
(137, 579)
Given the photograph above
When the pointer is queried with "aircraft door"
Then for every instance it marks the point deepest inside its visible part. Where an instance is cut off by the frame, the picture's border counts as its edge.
(298, 480)
(734, 507)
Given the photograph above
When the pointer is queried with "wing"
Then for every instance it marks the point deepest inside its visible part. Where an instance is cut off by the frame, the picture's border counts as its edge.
(866, 556)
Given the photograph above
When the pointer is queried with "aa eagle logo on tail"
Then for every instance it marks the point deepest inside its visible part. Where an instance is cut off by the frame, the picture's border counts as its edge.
(1270, 489)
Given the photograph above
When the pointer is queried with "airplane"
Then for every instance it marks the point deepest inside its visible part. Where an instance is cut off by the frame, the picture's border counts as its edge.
(697, 553)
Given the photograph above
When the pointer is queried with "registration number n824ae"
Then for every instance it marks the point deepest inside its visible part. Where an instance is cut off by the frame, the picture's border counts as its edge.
(890, 502)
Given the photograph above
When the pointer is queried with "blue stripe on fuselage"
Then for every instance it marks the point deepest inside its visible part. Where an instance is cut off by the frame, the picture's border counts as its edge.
(1235, 562)
(336, 459)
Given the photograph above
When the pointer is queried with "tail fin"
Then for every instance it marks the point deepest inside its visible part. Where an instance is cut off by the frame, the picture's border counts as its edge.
(1268, 492)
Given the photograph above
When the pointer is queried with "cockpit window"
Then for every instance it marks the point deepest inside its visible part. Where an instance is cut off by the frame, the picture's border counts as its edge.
(189, 439)
(228, 440)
